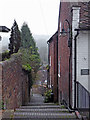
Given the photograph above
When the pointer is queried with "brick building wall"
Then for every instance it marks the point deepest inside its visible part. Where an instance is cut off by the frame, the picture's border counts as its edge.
(53, 64)
(63, 53)
(0, 83)
(14, 83)
(66, 61)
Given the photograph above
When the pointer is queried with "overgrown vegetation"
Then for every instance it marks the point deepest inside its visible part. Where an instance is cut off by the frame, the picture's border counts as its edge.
(5, 55)
(48, 96)
(1, 105)
(26, 67)
(30, 55)
(24, 43)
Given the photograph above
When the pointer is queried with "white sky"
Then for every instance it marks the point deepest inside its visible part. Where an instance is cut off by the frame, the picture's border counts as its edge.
(41, 15)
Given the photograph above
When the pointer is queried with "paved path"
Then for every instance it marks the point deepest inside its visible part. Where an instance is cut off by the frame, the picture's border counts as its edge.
(36, 99)
(38, 110)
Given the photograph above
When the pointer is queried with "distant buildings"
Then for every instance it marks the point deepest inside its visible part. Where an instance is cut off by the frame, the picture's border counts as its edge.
(69, 56)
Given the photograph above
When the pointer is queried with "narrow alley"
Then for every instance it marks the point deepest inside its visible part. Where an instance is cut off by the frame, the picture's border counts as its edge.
(36, 109)
(45, 60)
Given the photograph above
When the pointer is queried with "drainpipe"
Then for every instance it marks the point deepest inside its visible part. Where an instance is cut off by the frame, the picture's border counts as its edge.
(70, 78)
(48, 64)
(75, 66)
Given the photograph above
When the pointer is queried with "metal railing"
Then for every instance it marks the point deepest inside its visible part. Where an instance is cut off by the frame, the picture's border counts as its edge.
(82, 96)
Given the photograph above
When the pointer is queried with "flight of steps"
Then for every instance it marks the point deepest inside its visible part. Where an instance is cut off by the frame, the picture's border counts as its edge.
(43, 111)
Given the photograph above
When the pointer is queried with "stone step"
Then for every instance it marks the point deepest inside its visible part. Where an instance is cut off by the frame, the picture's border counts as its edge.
(42, 119)
(43, 110)
(44, 115)
(41, 106)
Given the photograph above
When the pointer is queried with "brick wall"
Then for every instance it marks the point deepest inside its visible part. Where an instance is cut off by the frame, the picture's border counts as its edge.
(14, 83)
(63, 54)
(53, 66)
(0, 83)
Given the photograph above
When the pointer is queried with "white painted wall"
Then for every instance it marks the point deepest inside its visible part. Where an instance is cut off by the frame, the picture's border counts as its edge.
(89, 60)
(83, 53)
(75, 25)
(82, 57)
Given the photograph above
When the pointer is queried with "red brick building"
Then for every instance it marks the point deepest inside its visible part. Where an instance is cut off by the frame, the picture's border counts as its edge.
(52, 43)
(59, 53)
(64, 54)
(65, 62)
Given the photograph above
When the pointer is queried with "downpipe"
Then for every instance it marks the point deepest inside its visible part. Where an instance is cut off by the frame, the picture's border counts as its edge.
(67, 107)
(64, 102)
(75, 67)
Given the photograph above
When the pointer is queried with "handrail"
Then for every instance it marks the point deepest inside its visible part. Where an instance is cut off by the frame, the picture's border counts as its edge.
(87, 97)
(83, 87)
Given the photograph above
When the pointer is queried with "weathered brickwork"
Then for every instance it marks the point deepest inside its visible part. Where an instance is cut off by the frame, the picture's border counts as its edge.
(14, 83)
(63, 54)
(0, 83)
(53, 64)
(60, 69)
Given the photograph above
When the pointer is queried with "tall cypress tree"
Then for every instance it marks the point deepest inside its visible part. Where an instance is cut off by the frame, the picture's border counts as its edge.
(15, 38)
(27, 39)
(28, 45)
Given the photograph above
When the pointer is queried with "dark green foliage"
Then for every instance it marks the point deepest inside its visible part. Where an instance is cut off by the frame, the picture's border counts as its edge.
(26, 37)
(15, 39)
(5, 55)
(30, 55)
(27, 68)
(1, 105)
(48, 96)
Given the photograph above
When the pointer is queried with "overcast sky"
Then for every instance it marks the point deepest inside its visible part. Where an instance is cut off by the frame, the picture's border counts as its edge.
(40, 15)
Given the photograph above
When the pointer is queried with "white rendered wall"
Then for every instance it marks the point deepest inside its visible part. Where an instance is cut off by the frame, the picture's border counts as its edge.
(82, 57)
(75, 25)
(83, 53)
(89, 60)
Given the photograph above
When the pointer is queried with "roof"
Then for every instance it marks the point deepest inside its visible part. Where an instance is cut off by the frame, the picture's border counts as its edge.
(56, 33)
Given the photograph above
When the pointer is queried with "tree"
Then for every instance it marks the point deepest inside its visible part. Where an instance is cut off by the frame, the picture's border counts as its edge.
(15, 39)
(27, 39)
(29, 50)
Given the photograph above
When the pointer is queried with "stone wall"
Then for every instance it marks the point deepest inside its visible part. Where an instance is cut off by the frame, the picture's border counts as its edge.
(14, 83)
